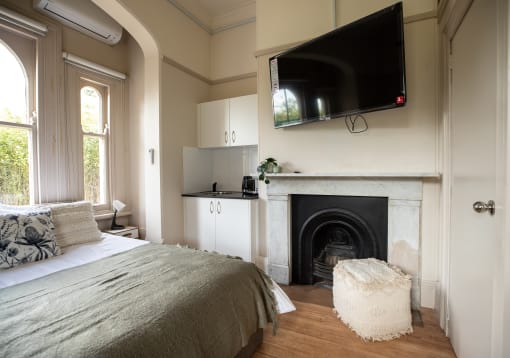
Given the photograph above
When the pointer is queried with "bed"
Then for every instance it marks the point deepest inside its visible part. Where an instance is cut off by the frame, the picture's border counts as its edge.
(120, 297)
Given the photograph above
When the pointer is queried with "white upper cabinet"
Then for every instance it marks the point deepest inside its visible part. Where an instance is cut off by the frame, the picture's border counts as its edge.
(244, 128)
(228, 122)
(213, 124)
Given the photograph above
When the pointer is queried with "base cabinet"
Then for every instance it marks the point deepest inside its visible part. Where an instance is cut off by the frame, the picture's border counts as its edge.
(228, 226)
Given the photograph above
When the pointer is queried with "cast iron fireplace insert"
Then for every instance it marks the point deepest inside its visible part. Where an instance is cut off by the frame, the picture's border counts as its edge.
(329, 228)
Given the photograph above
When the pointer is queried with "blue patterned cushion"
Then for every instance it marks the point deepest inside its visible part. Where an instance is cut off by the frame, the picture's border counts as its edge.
(26, 236)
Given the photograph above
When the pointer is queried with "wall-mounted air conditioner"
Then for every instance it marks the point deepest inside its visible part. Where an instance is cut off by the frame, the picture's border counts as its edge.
(84, 16)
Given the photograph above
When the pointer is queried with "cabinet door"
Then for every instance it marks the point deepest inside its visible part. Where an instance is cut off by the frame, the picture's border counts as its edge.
(213, 124)
(244, 120)
(233, 228)
(199, 223)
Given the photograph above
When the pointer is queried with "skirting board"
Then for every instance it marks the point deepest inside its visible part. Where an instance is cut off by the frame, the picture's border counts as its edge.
(261, 262)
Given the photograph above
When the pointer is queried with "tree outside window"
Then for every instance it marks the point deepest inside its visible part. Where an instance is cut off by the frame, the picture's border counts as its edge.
(94, 127)
(16, 131)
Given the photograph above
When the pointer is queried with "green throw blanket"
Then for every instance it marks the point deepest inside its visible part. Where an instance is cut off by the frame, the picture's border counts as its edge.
(152, 301)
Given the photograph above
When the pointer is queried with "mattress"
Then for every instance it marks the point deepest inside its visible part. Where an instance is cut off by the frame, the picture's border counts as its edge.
(77, 255)
(150, 301)
(72, 256)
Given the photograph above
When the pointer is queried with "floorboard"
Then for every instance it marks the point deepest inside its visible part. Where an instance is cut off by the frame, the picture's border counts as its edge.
(313, 330)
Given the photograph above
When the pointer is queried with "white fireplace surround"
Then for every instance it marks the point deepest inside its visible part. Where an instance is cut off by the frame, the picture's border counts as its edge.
(404, 193)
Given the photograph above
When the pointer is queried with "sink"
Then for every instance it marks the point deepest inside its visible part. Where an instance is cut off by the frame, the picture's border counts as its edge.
(217, 192)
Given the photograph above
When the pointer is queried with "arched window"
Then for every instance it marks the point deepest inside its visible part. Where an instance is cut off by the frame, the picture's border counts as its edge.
(94, 126)
(17, 130)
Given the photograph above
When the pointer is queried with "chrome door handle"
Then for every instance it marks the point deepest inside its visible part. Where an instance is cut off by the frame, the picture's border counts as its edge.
(481, 207)
(218, 208)
(233, 136)
(211, 207)
(226, 137)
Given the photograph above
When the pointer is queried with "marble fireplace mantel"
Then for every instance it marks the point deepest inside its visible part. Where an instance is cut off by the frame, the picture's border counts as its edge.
(404, 192)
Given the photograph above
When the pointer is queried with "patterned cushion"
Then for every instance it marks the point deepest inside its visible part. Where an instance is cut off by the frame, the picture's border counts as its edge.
(26, 235)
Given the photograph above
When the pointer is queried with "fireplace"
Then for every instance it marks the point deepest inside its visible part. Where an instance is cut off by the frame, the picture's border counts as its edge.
(403, 194)
(329, 228)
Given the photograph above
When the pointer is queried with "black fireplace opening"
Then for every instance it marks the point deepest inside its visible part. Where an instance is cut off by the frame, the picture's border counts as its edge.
(329, 228)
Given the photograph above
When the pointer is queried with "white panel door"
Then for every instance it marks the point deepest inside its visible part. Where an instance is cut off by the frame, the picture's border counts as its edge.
(244, 120)
(213, 124)
(474, 236)
(233, 228)
(199, 223)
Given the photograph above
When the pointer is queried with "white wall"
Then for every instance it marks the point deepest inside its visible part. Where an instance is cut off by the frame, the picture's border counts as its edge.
(176, 35)
(398, 140)
(350, 10)
(287, 21)
(136, 199)
(225, 166)
(232, 52)
(180, 93)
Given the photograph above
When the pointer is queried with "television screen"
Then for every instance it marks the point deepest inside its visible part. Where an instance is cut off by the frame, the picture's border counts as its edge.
(354, 69)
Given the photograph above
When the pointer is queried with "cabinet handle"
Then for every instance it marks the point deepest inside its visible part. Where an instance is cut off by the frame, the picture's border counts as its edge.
(218, 208)
(211, 207)
(226, 137)
(233, 136)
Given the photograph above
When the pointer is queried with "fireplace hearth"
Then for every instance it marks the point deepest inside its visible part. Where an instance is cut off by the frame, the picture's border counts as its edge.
(328, 228)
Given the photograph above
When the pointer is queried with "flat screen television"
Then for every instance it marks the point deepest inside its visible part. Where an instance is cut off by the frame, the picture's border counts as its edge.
(356, 68)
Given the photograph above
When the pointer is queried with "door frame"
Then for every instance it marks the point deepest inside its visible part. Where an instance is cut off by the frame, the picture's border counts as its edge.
(450, 16)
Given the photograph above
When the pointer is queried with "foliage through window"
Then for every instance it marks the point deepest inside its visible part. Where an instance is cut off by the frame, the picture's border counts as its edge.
(94, 126)
(16, 131)
(286, 107)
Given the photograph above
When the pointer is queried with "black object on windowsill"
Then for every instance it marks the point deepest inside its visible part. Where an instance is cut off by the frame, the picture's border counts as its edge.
(117, 206)
(115, 226)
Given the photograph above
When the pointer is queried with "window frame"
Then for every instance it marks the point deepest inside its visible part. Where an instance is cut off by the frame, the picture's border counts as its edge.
(56, 147)
(117, 151)
(103, 91)
(24, 48)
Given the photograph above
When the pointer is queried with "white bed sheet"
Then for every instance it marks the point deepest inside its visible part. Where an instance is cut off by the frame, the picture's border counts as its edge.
(77, 255)
(72, 256)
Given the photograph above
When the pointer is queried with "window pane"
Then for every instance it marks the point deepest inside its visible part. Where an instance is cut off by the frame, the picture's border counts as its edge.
(14, 171)
(91, 110)
(92, 169)
(13, 88)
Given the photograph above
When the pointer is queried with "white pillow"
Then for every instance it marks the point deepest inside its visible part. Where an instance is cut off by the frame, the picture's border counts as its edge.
(74, 223)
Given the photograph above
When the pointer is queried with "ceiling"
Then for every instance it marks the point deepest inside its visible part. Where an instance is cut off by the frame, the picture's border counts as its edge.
(217, 15)
(221, 7)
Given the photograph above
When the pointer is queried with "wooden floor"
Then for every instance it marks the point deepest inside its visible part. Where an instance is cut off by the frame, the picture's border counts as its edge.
(313, 330)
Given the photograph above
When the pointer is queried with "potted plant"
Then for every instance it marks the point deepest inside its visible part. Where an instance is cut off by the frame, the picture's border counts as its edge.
(268, 165)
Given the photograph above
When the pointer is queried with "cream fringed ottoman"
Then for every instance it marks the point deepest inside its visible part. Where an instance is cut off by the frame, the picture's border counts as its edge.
(373, 298)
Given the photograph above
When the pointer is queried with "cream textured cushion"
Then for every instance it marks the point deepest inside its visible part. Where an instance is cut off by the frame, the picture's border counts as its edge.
(373, 298)
(74, 223)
